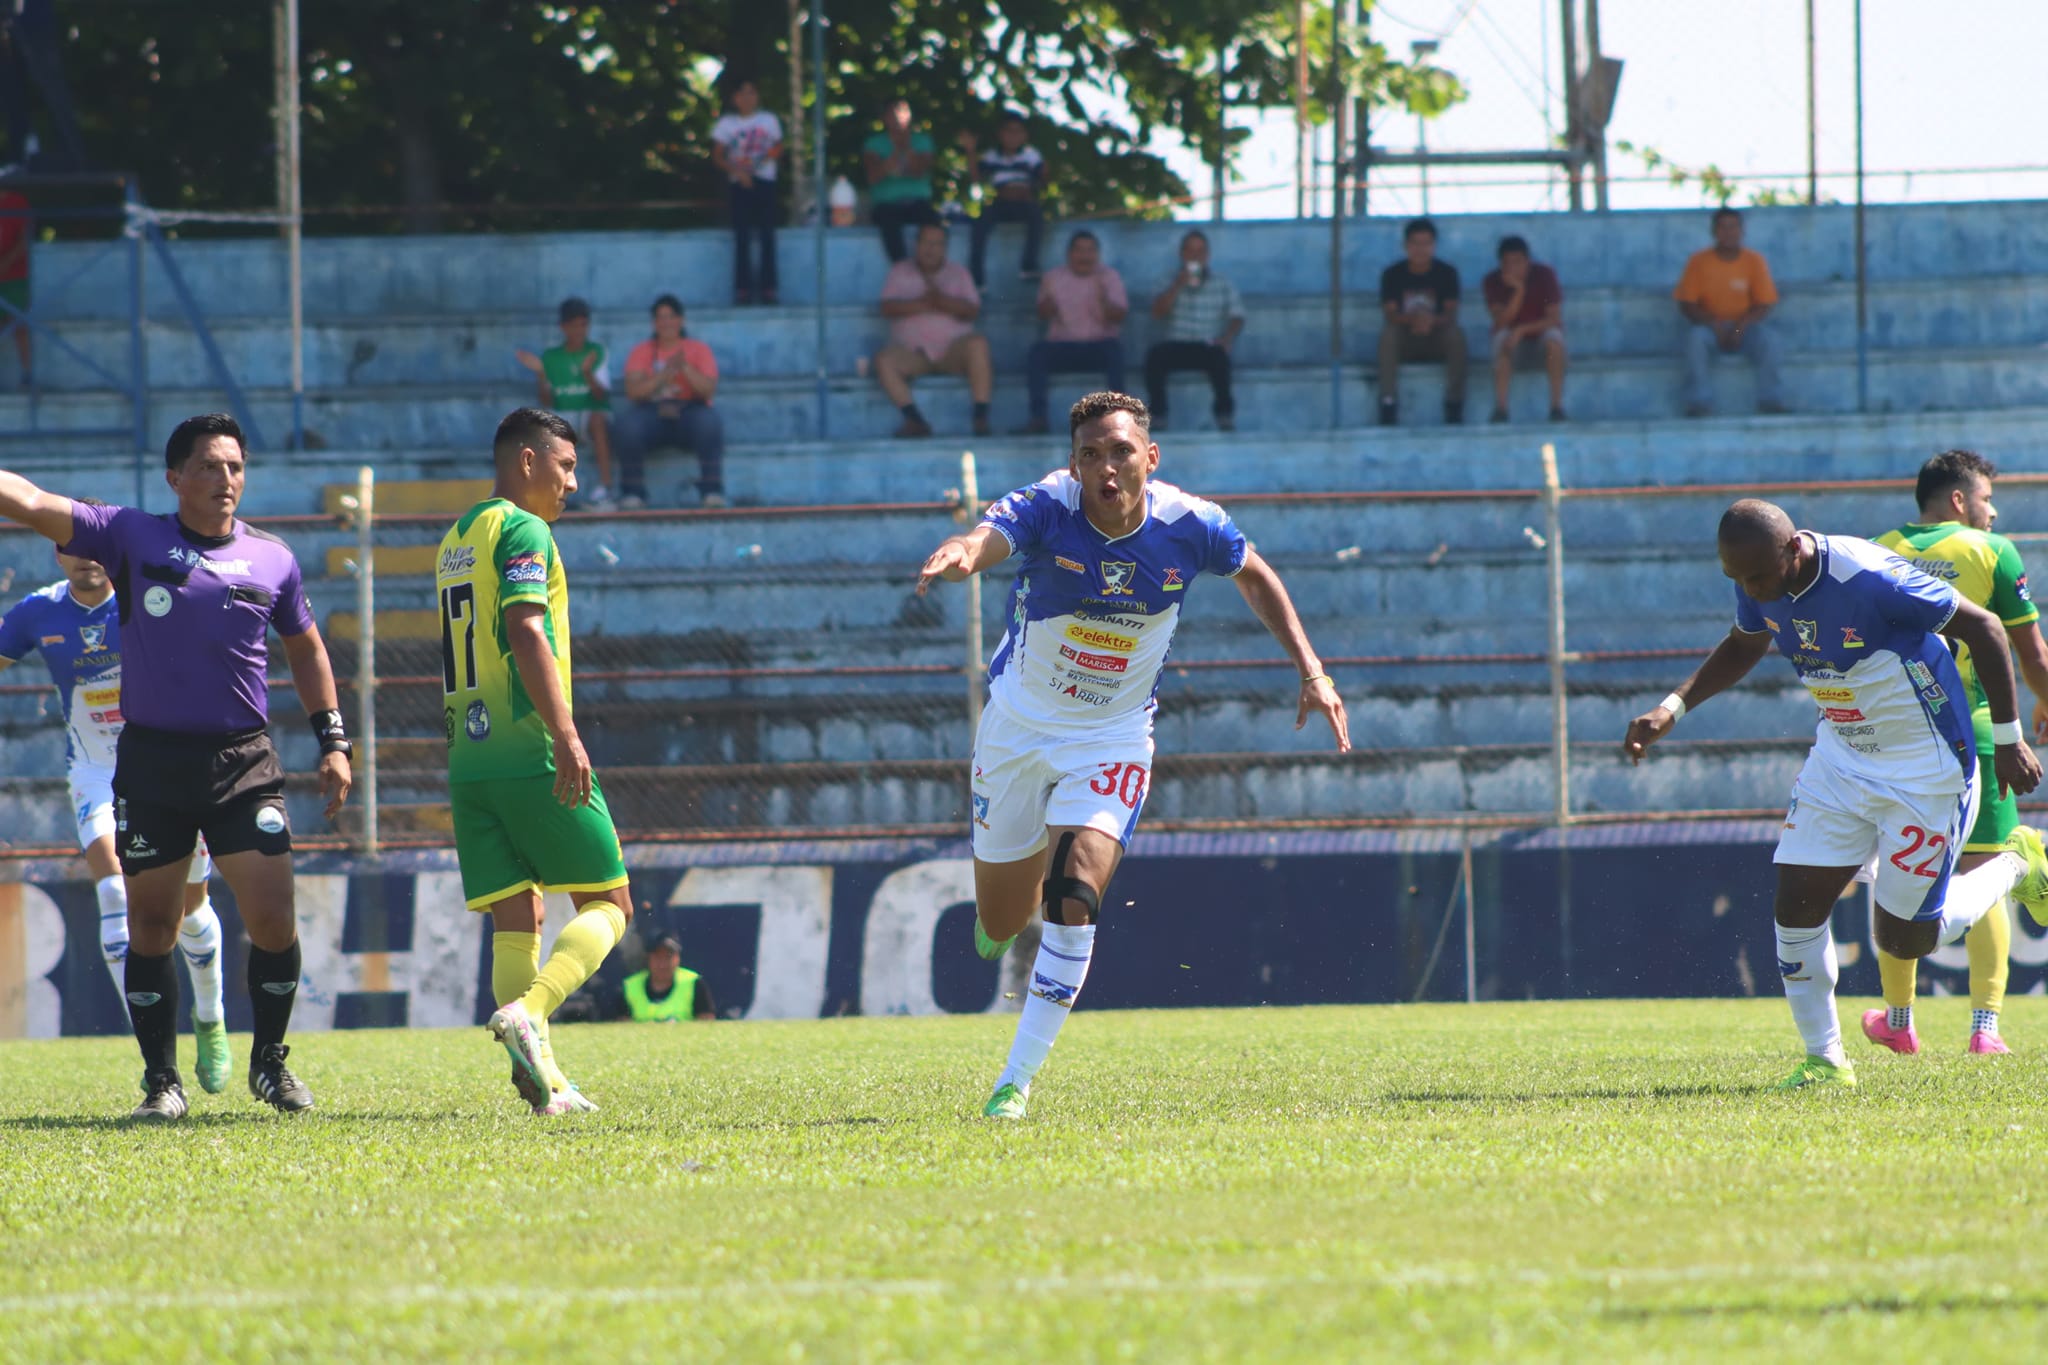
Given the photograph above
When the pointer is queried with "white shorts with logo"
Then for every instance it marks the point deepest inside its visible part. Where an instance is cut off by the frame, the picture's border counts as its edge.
(1906, 839)
(1025, 780)
(92, 805)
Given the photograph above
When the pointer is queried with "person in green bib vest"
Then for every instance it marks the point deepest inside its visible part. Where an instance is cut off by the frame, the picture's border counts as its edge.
(666, 992)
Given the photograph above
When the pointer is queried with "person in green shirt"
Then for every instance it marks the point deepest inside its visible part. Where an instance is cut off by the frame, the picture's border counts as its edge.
(1952, 540)
(666, 992)
(573, 379)
(899, 169)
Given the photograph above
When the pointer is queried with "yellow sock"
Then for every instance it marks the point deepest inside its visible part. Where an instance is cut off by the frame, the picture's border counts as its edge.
(515, 961)
(579, 952)
(1990, 947)
(556, 1080)
(1901, 977)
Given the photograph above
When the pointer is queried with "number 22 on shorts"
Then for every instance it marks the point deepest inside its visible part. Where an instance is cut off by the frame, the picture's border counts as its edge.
(1933, 843)
(1124, 781)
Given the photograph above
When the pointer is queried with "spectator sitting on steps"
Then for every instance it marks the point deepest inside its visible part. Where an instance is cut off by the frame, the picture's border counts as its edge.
(1527, 304)
(1084, 305)
(1724, 295)
(1201, 315)
(1419, 298)
(931, 304)
(670, 382)
(573, 381)
(1014, 173)
(899, 169)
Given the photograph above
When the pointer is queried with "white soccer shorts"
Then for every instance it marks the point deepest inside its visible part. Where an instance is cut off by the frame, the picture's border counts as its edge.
(92, 805)
(1906, 840)
(1025, 780)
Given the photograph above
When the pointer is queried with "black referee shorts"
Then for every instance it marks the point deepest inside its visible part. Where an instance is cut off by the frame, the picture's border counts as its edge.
(171, 787)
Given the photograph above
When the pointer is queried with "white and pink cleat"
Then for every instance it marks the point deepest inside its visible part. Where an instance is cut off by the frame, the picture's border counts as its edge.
(1987, 1045)
(1905, 1041)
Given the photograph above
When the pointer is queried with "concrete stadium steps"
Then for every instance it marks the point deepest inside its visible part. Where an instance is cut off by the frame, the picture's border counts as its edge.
(476, 350)
(619, 272)
(1478, 456)
(1269, 400)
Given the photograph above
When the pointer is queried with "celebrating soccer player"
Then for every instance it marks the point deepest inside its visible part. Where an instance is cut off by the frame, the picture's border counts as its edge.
(529, 814)
(1952, 540)
(74, 624)
(1893, 770)
(1064, 753)
(195, 755)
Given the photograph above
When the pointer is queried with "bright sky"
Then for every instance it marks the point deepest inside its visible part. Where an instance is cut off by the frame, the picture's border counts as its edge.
(1720, 82)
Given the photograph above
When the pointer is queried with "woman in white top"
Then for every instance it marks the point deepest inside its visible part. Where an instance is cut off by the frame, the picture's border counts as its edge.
(745, 144)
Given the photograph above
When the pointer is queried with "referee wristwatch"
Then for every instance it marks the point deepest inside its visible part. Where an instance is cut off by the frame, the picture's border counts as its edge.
(332, 734)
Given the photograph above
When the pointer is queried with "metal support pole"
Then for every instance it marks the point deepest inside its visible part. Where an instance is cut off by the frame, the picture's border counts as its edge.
(138, 354)
(1338, 163)
(820, 217)
(970, 510)
(1596, 137)
(289, 204)
(1573, 133)
(799, 169)
(1217, 173)
(1301, 123)
(1862, 256)
(1812, 144)
(366, 653)
(1471, 937)
(1560, 724)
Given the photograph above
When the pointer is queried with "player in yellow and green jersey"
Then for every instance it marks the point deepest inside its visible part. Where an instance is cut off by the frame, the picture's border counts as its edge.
(1952, 540)
(529, 815)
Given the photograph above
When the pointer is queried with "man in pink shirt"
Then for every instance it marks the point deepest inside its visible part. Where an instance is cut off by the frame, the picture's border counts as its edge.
(931, 304)
(1083, 304)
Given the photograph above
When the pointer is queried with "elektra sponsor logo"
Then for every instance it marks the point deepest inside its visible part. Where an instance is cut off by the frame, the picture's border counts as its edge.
(1101, 639)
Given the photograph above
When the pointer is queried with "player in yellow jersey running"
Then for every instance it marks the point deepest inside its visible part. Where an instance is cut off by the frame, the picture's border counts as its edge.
(1952, 540)
(529, 815)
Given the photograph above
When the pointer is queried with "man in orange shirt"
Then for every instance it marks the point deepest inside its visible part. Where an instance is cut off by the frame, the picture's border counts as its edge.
(1725, 294)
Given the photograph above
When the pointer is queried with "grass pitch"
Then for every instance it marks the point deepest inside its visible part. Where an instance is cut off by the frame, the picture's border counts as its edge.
(1506, 1182)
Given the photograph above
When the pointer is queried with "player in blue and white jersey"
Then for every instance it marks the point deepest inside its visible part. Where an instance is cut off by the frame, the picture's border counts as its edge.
(1064, 753)
(1891, 783)
(75, 625)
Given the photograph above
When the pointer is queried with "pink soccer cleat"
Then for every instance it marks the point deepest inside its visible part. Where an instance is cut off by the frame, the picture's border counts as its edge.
(1988, 1045)
(1904, 1041)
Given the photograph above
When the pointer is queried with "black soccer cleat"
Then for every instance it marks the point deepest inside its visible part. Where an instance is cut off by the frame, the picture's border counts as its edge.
(271, 1081)
(164, 1100)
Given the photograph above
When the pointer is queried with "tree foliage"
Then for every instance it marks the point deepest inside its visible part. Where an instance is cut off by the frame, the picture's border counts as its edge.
(430, 114)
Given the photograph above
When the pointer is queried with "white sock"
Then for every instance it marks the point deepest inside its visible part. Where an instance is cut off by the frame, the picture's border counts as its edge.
(1806, 959)
(1056, 978)
(1972, 894)
(1899, 1016)
(113, 896)
(1984, 1021)
(199, 937)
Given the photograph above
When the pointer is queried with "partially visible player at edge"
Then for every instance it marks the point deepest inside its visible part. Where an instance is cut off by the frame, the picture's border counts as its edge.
(195, 755)
(1952, 541)
(529, 814)
(76, 627)
(1893, 770)
(1064, 753)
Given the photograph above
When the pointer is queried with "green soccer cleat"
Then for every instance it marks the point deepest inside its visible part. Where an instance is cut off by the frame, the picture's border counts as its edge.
(1007, 1102)
(990, 948)
(2032, 890)
(214, 1062)
(1819, 1071)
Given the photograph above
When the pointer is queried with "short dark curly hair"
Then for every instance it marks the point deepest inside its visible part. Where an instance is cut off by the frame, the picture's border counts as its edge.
(1949, 471)
(1102, 403)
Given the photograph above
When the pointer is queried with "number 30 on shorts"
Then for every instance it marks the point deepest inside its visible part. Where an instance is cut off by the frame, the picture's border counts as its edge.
(1934, 844)
(1124, 781)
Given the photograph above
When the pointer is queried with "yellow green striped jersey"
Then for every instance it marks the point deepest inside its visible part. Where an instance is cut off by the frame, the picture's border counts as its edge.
(494, 557)
(1980, 565)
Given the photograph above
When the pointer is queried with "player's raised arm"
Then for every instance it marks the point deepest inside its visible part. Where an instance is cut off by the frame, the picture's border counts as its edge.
(1731, 661)
(1267, 596)
(2018, 770)
(47, 514)
(313, 680)
(963, 555)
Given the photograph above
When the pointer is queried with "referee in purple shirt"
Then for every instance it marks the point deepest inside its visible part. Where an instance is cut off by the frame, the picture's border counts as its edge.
(198, 592)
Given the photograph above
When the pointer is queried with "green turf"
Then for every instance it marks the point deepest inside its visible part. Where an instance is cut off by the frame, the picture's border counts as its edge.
(1507, 1182)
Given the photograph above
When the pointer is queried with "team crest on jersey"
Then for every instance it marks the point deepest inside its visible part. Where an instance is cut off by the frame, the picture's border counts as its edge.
(478, 723)
(1117, 577)
(981, 810)
(1850, 639)
(95, 638)
(1171, 582)
(1809, 633)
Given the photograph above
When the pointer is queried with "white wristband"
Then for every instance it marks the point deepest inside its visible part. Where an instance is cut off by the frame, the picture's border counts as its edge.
(2004, 732)
(1675, 704)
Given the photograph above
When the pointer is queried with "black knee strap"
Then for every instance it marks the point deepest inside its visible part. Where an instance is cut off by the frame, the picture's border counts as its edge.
(1061, 888)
